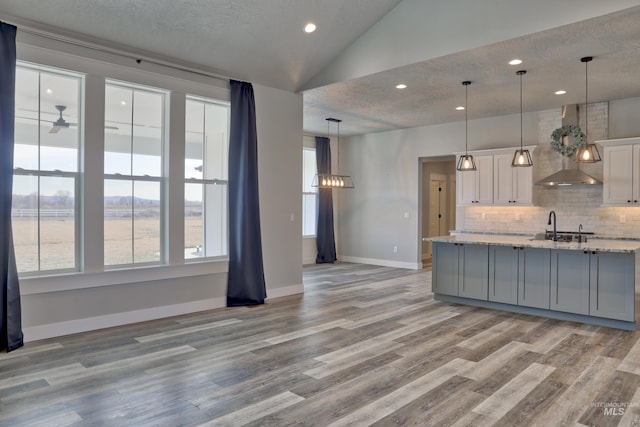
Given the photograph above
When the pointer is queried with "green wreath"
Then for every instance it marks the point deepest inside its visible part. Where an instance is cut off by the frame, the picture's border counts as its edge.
(567, 130)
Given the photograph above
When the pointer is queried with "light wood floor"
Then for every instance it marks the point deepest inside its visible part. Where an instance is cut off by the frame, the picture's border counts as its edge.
(365, 345)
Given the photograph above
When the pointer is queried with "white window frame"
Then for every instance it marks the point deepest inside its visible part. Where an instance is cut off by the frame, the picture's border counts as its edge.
(57, 173)
(203, 181)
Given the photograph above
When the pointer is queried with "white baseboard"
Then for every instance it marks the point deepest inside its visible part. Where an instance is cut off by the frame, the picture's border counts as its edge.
(381, 262)
(75, 326)
(285, 291)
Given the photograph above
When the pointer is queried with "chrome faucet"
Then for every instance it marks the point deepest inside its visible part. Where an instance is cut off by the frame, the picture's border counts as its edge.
(555, 233)
(580, 234)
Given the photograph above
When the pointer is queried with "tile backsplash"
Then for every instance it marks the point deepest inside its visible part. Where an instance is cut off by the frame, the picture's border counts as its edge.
(573, 206)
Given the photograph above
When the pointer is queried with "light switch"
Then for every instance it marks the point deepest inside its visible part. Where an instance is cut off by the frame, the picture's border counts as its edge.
(406, 215)
(291, 217)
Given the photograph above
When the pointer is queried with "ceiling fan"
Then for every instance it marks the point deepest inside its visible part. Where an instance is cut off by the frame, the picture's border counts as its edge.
(61, 123)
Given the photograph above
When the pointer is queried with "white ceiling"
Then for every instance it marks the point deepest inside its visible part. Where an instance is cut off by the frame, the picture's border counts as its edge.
(349, 67)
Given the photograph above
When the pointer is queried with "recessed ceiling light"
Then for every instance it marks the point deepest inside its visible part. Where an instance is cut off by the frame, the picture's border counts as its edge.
(401, 86)
(460, 108)
(310, 27)
(515, 61)
(49, 91)
(560, 92)
(123, 103)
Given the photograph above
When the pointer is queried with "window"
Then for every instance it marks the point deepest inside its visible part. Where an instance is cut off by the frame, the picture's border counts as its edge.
(205, 172)
(309, 193)
(133, 172)
(46, 163)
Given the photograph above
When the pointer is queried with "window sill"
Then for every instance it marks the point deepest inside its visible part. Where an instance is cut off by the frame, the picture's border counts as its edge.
(308, 237)
(79, 280)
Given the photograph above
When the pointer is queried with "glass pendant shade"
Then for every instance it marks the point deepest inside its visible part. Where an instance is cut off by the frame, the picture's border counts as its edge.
(586, 152)
(522, 157)
(466, 162)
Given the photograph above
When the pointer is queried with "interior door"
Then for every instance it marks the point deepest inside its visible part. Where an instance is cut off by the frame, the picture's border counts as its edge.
(438, 207)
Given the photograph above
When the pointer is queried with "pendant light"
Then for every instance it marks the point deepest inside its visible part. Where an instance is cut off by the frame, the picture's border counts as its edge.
(466, 162)
(522, 157)
(586, 153)
(329, 180)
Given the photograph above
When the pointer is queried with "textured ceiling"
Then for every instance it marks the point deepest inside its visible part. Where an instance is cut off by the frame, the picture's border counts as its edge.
(551, 59)
(262, 41)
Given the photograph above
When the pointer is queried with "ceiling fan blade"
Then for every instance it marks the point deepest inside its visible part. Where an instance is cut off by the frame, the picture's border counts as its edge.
(55, 129)
(112, 127)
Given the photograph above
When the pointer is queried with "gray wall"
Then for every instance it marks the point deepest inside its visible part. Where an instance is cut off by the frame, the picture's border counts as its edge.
(385, 168)
(58, 305)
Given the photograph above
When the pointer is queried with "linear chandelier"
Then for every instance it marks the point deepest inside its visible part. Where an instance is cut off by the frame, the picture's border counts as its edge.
(329, 180)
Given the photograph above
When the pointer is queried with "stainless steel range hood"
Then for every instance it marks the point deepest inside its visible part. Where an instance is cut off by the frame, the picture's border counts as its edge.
(569, 175)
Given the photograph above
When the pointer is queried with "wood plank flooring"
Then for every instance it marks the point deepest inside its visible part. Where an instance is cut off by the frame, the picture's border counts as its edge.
(365, 345)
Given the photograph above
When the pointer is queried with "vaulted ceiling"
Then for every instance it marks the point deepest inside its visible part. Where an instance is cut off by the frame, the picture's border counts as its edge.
(350, 66)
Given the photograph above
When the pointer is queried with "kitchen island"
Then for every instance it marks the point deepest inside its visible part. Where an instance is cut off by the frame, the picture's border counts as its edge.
(591, 282)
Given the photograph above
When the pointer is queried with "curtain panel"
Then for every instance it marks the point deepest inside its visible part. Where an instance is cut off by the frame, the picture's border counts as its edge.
(325, 239)
(10, 312)
(245, 282)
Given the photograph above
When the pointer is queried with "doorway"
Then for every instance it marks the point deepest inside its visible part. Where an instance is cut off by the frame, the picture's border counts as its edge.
(438, 200)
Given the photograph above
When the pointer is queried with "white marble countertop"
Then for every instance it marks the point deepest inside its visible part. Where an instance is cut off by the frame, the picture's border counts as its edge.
(593, 244)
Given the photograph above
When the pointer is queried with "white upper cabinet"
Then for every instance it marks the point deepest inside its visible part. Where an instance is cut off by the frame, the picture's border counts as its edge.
(495, 182)
(511, 186)
(621, 172)
(476, 187)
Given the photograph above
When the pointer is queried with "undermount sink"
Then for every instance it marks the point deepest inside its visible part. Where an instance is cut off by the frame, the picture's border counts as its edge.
(562, 236)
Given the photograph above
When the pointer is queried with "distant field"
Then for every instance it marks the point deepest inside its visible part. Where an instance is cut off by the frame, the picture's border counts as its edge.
(58, 234)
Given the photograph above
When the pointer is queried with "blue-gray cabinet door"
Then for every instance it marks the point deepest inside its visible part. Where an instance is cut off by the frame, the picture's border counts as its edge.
(474, 274)
(534, 277)
(570, 281)
(444, 271)
(612, 285)
(503, 274)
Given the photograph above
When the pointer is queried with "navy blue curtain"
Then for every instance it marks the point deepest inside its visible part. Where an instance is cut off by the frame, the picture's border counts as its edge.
(325, 240)
(245, 282)
(10, 315)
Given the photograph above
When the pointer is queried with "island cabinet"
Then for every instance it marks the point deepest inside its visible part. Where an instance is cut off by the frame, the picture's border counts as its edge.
(519, 275)
(476, 187)
(570, 281)
(600, 284)
(460, 269)
(511, 186)
(612, 288)
(621, 175)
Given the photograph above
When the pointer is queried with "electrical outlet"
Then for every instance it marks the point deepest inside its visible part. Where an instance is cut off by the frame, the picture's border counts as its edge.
(395, 249)
(518, 217)
(483, 216)
(622, 219)
(406, 215)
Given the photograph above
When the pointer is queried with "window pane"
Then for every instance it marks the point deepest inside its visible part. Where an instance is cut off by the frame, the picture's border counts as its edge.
(118, 129)
(147, 133)
(60, 115)
(118, 222)
(193, 221)
(216, 141)
(24, 217)
(215, 220)
(308, 170)
(309, 214)
(146, 227)
(57, 223)
(194, 139)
